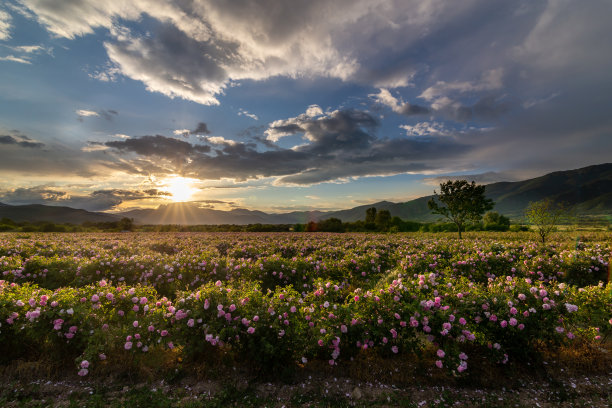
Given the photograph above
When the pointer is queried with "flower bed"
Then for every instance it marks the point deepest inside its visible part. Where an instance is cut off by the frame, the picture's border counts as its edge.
(281, 300)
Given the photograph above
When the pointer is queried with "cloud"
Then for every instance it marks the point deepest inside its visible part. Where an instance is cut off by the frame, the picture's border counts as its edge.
(201, 129)
(174, 64)
(13, 58)
(242, 112)
(106, 114)
(468, 61)
(98, 200)
(219, 140)
(489, 81)
(94, 147)
(159, 146)
(196, 49)
(23, 53)
(86, 113)
(384, 97)
(426, 129)
(20, 140)
(483, 178)
(5, 25)
(338, 145)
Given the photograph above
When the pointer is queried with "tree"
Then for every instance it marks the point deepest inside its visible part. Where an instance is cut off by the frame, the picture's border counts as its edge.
(126, 224)
(370, 215)
(382, 220)
(545, 215)
(494, 221)
(331, 225)
(462, 202)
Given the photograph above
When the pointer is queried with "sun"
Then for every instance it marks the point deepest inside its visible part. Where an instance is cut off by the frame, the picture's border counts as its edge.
(181, 188)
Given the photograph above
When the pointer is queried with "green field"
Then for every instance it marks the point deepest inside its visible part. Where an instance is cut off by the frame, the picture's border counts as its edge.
(240, 310)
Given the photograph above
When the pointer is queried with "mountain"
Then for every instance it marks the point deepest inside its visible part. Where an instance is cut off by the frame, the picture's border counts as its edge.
(192, 214)
(587, 190)
(54, 214)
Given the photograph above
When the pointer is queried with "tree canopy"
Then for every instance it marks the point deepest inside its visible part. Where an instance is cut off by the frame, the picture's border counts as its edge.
(545, 215)
(460, 202)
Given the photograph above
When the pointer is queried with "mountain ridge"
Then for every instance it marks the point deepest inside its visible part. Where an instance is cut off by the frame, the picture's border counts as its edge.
(588, 190)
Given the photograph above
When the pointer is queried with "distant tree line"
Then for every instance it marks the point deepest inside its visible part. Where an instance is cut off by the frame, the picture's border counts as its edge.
(124, 224)
(382, 221)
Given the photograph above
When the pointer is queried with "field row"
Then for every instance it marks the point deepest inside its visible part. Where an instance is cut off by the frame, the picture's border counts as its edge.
(172, 262)
(282, 300)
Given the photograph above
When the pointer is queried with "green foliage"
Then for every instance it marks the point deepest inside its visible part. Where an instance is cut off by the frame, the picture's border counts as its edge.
(330, 225)
(461, 201)
(370, 215)
(383, 220)
(544, 215)
(283, 300)
(493, 221)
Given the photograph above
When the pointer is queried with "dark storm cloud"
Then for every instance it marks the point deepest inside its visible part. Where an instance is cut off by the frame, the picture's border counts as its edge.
(201, 129)
(340, 145)
(98, 200)
(536, 73)
(158, 145)
(24, 142)
(34, 195)
(409, 109)
(130, 194)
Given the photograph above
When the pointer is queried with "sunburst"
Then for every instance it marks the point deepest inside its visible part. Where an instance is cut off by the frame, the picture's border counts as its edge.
(181, 188)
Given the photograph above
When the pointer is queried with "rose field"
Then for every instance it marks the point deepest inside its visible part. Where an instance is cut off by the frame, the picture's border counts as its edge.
(277, 304)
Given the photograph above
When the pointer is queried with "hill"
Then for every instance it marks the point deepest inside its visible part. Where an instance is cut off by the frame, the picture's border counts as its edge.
(54, 214)
(587, 190)
(193, 214)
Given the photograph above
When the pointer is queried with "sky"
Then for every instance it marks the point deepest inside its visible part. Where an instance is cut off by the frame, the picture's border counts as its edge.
(295, 105)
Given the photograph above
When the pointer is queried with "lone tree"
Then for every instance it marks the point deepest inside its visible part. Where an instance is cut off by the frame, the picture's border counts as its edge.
(545, 215)
(462, 202)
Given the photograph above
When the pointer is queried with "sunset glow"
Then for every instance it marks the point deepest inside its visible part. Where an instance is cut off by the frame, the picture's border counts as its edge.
(181, 188)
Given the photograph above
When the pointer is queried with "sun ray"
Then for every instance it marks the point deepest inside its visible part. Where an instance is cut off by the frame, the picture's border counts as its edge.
(181, 188)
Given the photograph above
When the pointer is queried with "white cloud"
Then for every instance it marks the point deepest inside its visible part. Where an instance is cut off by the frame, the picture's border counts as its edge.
(121, 136)
(15, 59)
(384, 97)
(86, 113)
(313, 111)
(426, 129)
(242, 112)
(28, 49)
(225, 42)
(5, 25)
(94, 148)
(490, 80)
(182, 132)
(219, 140)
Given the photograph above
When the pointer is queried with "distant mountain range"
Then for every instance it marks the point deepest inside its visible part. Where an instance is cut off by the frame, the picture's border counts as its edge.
(52, 213)
(587, 190)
